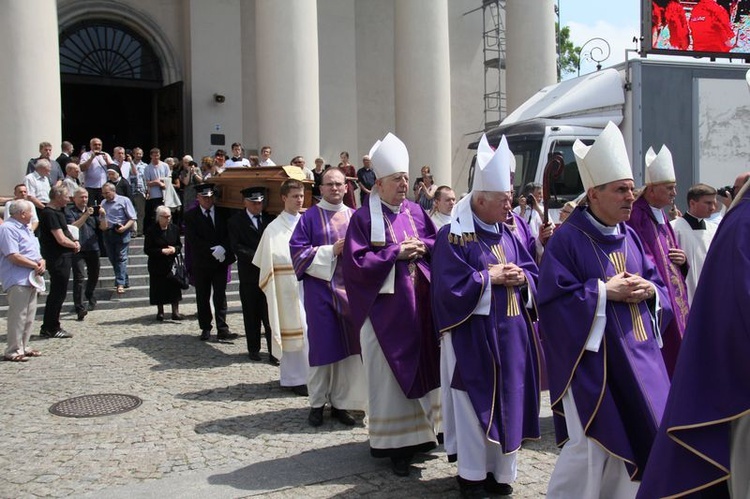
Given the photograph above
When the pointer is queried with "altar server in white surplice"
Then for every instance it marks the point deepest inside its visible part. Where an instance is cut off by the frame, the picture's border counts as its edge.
(286, 314)
(694, 231)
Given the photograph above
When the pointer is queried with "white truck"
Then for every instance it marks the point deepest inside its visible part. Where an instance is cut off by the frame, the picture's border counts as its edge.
(701, 111)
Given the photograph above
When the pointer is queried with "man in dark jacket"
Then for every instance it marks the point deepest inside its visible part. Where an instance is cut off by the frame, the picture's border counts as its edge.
(207, 236)
(245, 230)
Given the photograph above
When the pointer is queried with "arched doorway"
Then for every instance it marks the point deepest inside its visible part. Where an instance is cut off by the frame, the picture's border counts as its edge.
(112, 88)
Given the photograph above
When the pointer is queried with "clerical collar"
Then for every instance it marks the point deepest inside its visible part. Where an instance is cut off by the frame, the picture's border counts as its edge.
(658, 214)
(694, 222)
(393, 208)
(236, 159)
(488, 227)
(325, 205)
(607, 230)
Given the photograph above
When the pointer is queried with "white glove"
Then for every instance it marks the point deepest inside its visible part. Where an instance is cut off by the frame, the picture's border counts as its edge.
(219, 253)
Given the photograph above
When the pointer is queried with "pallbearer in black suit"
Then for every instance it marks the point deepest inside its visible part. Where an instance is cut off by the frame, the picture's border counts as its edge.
(206, 233)
(245, 229)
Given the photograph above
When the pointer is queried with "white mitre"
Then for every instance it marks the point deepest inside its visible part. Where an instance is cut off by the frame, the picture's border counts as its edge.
(659, 167)
(491, 174)
(605, 161)
(388, 156)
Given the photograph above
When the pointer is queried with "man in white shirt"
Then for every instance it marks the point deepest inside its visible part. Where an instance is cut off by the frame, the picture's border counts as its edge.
(237, 160)
(94, 165)
(122, 161)
(37, 183)
(265, 156)
(138, 188)
(695, 232)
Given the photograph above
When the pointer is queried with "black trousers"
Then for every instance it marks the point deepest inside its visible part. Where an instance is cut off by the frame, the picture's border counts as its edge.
(254, 313)
(207, 280)
(85, 269)
(59, 275)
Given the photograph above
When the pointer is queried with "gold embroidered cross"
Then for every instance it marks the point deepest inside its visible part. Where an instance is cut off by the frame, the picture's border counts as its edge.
(618, 260)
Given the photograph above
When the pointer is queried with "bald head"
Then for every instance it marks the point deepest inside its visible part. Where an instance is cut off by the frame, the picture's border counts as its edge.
(740, 181)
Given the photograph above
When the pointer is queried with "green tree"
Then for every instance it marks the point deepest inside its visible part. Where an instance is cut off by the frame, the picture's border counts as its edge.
(568, 54)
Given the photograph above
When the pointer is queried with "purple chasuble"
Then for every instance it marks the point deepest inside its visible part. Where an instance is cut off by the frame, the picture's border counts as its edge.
(711, 383)
(620, 391)
(520, 229)
(657, 239)
(402, 320)
(330, 334)
(497, 355)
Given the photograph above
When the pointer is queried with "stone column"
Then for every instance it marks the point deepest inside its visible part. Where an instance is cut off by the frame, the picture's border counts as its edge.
(286, 40)
(30, 102)
(529, 50)
(422, 74)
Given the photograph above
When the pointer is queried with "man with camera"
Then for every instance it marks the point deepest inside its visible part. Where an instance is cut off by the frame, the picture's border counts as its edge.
(86, 261)
(116, 218)
(94, 164)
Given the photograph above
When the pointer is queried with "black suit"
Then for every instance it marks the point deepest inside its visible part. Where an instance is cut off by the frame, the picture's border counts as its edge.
(208, 272)
(244, 238)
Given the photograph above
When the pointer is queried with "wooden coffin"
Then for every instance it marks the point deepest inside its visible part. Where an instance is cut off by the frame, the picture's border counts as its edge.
(232, 181)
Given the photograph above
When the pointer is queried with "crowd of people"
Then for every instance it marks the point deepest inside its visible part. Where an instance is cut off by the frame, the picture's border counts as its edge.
(440, 318)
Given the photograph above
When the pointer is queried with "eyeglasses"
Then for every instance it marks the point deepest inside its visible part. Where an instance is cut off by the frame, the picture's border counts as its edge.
(338, 185)
(165, 216)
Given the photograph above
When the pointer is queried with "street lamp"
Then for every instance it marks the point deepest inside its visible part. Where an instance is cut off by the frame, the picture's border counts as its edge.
(598, 53)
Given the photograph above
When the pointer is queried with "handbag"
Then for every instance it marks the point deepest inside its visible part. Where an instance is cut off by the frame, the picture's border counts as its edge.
(179, 273)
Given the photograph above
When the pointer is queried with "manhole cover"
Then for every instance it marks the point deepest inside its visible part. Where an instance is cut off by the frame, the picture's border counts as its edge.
(91, 406)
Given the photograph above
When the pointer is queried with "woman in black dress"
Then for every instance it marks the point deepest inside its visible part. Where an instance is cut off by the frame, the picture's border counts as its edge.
(161, 245)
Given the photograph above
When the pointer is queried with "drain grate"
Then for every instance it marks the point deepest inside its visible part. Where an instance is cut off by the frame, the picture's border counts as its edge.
(92, 406)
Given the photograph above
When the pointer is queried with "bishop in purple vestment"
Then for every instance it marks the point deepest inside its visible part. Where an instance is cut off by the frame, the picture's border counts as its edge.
(709, 401)
(653, 227)
(601, 302)
(386, 264)
(660, 245)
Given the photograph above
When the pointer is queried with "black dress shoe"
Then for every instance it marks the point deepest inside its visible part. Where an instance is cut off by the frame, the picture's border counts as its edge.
(343, 416)
(177, 317)
(254, 356)
(316, 416)
(273, 360)
(205, 335)
(300, 390)
(92, 304)
(81, 314)
(472, 490)
(226, 335)
(400, 466)
(493, 487)
(160, 317)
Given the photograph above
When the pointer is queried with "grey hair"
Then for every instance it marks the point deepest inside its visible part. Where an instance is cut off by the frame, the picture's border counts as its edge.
(42, 162)
(19, 205)
(80, 190)
(162, 210)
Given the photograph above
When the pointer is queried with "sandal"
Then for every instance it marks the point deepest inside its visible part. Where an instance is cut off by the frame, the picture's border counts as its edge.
(120, 290)
(33, 353)
(16, 358)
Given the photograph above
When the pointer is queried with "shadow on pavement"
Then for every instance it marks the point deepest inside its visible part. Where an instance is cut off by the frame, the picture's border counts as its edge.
(290, 420)
(241, 392)
(181, 351)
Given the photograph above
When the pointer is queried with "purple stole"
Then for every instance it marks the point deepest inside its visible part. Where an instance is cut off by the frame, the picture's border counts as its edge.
(331, 337)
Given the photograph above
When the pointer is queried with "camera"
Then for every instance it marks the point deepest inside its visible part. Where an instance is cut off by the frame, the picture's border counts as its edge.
(725, 191)
(530, 200)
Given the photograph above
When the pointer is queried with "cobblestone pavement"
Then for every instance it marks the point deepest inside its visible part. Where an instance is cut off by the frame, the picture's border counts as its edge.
(212, 423)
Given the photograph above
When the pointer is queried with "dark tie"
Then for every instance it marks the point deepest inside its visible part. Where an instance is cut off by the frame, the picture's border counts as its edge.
(208, 217)
(257, 222)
